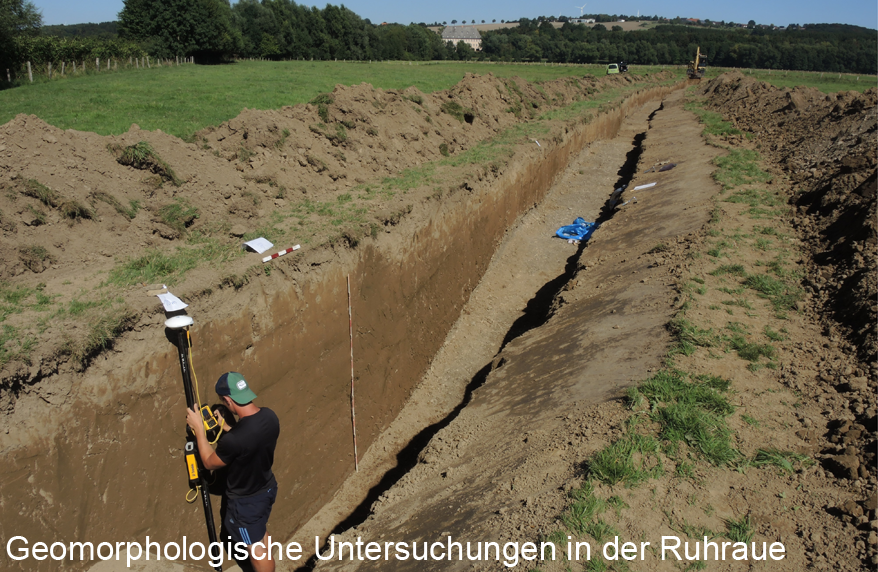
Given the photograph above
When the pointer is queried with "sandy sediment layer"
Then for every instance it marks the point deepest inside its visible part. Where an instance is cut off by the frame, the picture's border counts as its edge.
(107, 465)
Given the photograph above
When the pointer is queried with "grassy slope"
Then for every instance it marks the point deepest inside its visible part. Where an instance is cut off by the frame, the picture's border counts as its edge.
(180, 100)
(826, 82)
(690, 429)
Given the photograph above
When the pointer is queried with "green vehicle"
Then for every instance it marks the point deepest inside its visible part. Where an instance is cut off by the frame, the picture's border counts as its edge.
(612, 68)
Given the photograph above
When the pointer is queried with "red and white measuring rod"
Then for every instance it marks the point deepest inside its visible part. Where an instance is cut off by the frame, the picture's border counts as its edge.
(281, 253)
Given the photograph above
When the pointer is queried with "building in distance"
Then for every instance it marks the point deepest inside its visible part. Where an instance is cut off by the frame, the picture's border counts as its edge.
(466, 34)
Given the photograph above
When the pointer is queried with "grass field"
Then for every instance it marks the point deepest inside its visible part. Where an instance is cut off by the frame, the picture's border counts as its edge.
(180, 100)
(827, 82)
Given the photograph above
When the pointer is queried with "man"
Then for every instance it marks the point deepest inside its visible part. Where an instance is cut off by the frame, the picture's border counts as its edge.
(248, 452)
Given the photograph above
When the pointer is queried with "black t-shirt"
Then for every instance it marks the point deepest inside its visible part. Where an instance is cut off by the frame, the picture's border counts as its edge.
(248, 450)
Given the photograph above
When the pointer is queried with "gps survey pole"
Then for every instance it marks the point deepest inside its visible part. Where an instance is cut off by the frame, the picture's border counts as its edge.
(197, 480)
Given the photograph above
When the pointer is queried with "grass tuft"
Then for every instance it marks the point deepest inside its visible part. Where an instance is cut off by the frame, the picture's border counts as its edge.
(142, 156)
(631, 459)
(778, 458)
(37, 190)
(690, 336)
(130, 212)
(178, 215)
(740, 530)
(456, 110)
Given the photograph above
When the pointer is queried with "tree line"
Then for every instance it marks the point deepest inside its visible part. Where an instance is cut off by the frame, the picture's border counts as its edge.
(822, 47)
(215, 30)
(24, 39)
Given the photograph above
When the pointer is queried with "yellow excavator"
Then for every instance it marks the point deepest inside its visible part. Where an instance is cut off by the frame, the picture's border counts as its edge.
(697, 67)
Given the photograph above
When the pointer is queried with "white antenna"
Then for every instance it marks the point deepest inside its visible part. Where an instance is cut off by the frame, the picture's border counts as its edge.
(581, 8)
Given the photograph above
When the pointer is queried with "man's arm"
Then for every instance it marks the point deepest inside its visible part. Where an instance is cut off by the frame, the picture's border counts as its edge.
(209, 458)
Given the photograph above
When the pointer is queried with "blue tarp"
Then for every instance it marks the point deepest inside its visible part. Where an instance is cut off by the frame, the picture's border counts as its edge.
(579, 230)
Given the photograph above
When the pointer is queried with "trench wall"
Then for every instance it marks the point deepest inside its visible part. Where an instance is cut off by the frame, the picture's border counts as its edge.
(109, 467)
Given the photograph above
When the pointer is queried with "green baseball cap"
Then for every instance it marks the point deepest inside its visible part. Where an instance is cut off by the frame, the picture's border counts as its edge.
(235, 386)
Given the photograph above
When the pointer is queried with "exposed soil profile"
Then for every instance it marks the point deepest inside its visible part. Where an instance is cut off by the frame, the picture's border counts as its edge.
(502, 469)
(490, 357)
(412, 268)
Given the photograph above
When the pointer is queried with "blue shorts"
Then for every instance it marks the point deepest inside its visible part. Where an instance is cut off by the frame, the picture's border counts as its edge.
(245, 519)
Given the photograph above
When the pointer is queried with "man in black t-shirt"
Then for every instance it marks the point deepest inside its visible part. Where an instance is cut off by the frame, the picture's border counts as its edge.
(248, 452)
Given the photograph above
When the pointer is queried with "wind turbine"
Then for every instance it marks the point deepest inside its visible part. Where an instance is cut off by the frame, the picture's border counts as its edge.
(581, 8)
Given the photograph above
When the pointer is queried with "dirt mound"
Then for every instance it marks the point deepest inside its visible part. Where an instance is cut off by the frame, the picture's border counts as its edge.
(826, 145)
(75, 206)
(358, 133)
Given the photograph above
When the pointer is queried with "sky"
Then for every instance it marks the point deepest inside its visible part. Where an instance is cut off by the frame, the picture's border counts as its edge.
(780, 13)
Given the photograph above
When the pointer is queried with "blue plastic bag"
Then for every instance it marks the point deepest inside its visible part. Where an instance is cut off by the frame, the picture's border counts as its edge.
(579, 230)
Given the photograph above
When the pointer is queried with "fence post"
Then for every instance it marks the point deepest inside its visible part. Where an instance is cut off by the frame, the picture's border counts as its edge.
(63, 67)
(74, 67)
(137, 62)
(97, 64)
(147, 62)
(8, 76)
(50, 70)
(30, 73)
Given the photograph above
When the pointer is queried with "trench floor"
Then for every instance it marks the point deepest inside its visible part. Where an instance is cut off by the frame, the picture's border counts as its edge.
(528, 268)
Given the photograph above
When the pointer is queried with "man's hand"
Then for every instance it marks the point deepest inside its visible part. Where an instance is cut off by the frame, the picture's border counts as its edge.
(209, 458)
(193, 420)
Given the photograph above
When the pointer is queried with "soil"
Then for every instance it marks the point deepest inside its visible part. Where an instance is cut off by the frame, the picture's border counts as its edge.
(522, 373)
(234, 181)
(500, 468)
(824, 146)
(413, 259)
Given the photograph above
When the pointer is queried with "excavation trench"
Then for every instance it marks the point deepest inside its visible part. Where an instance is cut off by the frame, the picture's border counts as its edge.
(515, 295)
(119, 455)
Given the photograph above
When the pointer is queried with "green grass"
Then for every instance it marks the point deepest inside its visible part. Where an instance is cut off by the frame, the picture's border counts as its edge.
(142, 156)
(740, 530)
(738, 168)
(781, 459)
(733, 269)
(584, 507)
(713, 122)
(129, 212)
(631, 459)
(783, 296)
(181, 100)
(689, 336)
(751, 351)
(772, 335)
(154, 266)
(755, 198)
(178, 215)
(39, 191)
(827, 82)
(691, 411)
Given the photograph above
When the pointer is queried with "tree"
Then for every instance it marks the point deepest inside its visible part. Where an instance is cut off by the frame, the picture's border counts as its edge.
(18, 18)
(171, 28)
(751, 24)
